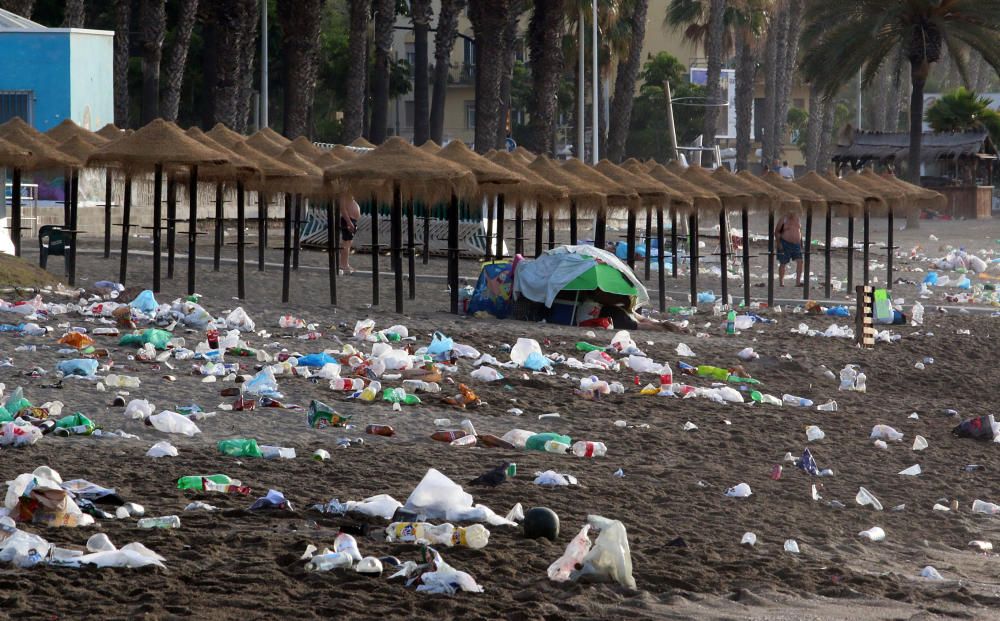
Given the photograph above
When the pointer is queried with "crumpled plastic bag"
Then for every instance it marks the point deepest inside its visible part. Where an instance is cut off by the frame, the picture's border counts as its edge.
(133, 555)
(77, 340)
(139, 409)
(162, 449)
(18, 433)
(263, 383)
(158, 338)
(440, 344)
(317, 360)
(551, 477)
(239, 320)
(610, 557)
(80, 367)
(436, 494)
(380, 505)
(172, 422)
(446, 579)
(522, 350)
(145, 302)
(565, 565)
(979, 428)
(38, 497)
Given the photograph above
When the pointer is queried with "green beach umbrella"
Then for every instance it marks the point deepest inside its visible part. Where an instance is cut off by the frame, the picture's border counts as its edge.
(604, 277)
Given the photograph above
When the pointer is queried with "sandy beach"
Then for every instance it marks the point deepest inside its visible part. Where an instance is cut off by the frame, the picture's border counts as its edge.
(683, 531)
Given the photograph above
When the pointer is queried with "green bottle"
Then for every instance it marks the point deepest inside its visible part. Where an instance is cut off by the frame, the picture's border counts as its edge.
(240, 447)
(585, 346)
(716, 373)
(731, 322)
(196, 481)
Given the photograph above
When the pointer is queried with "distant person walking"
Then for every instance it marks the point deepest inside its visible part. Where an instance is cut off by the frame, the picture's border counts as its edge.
(786, 171)
(789, 234)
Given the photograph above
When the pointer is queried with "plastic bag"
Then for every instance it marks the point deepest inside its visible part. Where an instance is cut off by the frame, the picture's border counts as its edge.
(139, 409)
(261, 384)
(885, 432)
(684, 350)
(555, 479)
(81, 367)
(317, 360)
(158, 338)
(76, 339)
(560, 570)
(610, 557)
(172, 422)
(239, 320)
(521, 351)
(436, 494)
(446, 579)
(980, 428)
(486, 374)
(145, 302)
(162, 449)
(440, 344)
(16, 401)
(16, 433)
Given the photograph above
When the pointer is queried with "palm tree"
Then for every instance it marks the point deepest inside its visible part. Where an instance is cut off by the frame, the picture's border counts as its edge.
(357, 70)
(227, 43)
(249, 21)
(545, 31)
(510, 38)
(74, 14)
(788, 60)
(24, 8)
(153, 17)
(178, 60)
(489, 19)
(300, 22)
(420, 14)
(749, 20)
(628, 72)
(962, 110)
(849, 36)
(123, 24)
(714, 50)
(385, 16)
(444, 41)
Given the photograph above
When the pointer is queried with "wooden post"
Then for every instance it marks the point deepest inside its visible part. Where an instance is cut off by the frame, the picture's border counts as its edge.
(807, 251)
(552, 230)
(107, 213)
(519, 228)
(219, 233)
(724, 255)
(241, 225)
(500, 223)
(375, 249)
(850, 252)
(396, 250)
(539, 229)
(74, 204)
(572, 226)
(261, 229)
(453, 254)
(649, 239)
(745, 217)
(867, 231)
(411, 255)
(126, 214)
(333, 226)
(489, 229)
(15, 210)
(426, 254)
(661, 277)
(673, 242)
(770, 258)
(630, 239)
(331, 248)
(192, 229)
(67, 192)
(297, 231)
(828, 240)
(601, 229)
(171, 223)
(286, 251)
(892, 250)
(157, 217)
(693, 239)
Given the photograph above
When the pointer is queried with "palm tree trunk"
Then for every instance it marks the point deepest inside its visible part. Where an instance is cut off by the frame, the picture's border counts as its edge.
(789, 68)
(770, 89)
(713, 49)
(178, 60)
(879, 100)
(385, 15)
(628, 73)
(153, 16)
(227, 45)
(421, 12)
(444, 41)
(918, 76)
(357, 70)
(509, 41)
(545, 31)
(815, 128)
(123, 23)
(489, 19)
(249, 12)
(825, 151)
(746, 69)
(301, 58)
(24, 8)
(74, 15)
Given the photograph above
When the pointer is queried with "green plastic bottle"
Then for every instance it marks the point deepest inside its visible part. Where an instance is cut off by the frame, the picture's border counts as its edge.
(196, 481)
(240, 447)
(715, 373)
(585, 346)
(731, 322)
(537, 441)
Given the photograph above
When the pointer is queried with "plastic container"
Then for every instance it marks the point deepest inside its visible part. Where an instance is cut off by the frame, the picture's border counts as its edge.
(792, 400)
(240, 447)
(167, 521)
(537, 441)
(589, 449)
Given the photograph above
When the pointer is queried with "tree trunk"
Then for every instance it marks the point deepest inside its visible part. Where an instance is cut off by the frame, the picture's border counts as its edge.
(444, 41)
(788, 70)
(826, 142)
(421, 13)
(385, 15)
(509, 41)
(249, 12)
(123, 23)
(74, 15)
(918, 76)
(24, 8)
(713, 50)
(814, 129)
(227, 46)
(545, 32)
(746, 71)
(178, 60)
(301, 61)
(628, 73)
(357, 71)
(602, 120)
(489, 18)
(878, 99)
(579, 120)
(153, 17)
(770, 88)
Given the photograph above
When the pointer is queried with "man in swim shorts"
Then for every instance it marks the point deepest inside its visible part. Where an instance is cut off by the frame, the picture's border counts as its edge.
(788, 232)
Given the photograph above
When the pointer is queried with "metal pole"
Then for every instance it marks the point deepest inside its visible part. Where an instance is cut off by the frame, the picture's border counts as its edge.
(171, 223)
(426, 258)
(693, 240)
(595, 131)
(630, 239)
(489, 229)
(241, 223)
(286, 251)
(827, 286)
(601, 229)
(745, 216)
(770, 258)
(649, 239)
(850, 252)
(580, 104)
(157, 195)
(453, 254)
(107, 213)
(217, 249)
(261, 229)
(867, 247)
(297, 231)
(411, 255)
(192, 228)
(74, 206)
(673, 243)
(15, 210)
(539, 229)
(661, 277)
(375, 249)
(519, 228)
(331, 248)
(889, 247)
(670, 120)
(807, 252)
(263, 66)
(724, 256)
(126, 214)
(396, 223)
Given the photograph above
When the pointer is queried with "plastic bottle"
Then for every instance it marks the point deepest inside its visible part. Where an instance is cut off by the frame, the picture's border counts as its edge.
(830, 406)
(347, 544)
(981, 506)
(715, 373)
(197, 482)
(277, 452)
(666, 378)
(731, 322)
(465, 440)
(537, 441)
(475, 536)
(380, 430)
(412, 532)
(873, 534)
(421, 386)
(590, 449)
(801, 402)
(121, 381)
(859, 383)
(326, 562)
(917, 314)
(167, 521)
(347, 384)
(448, 435)
(554, 446)
(587, 347)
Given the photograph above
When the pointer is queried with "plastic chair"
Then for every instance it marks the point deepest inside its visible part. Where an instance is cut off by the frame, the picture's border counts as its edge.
(52, 240)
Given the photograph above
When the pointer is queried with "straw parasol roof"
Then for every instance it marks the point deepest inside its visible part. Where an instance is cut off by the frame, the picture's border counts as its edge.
(327, 159)
(696, 175)
(110, 132)
(701, 198)
(304, 147)
(78, 149)
(676, 195)
(265, 145)
(344, 153)
(491, 178)
(159, 142)
(43, 154)
(782, 201)
(362, 143)
(525, 154)
(808, 198)
(534, 187)
(225, 136)
(618, 194)
(312, 183)
(275, 137)
(925, 198)
(585, 193)
(430, 147)
(650, 191)
(68, 129)
(18, 124)
(763, 194)
(273, 174)
(13, 156)
(238, 167)
(834, 194)
(891, 196)
(420, 176)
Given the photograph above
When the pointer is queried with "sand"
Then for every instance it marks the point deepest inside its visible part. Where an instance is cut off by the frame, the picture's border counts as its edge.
(235, 563)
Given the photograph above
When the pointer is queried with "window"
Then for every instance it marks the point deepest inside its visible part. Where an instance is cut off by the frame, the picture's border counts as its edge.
(411, 57)
(470, 114)
(758, 119)
(469, 53)
(408, 114)
(16, 103)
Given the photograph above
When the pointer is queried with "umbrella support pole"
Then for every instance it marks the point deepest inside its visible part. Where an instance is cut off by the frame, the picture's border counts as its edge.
(67, 191)
(693, 239)
(660, 276)
(74, 204)
(770, 258)
(866, 251)
(157, 217)
(171, 224)
(411, 256)
(396, 222)
(331, 248)
(217, 249)
(126, 214)
(601, 229)
(500, 222)
(519, 228)
(334, 236)
(850, 253)
(489, 229)
(828, 239)
(572, 224)
(552, 230)
(745, 221)
(453, 254)
(297, 231)
(891, 250)
(673, 243)
(261, 229)
(192, 230)
(630, 239)
(375, 249)
(649, 240)
(724, 256)
(241, 240)
(107, 213)
(286, 251)
(807, 253)
(426, 253)
(539, 228)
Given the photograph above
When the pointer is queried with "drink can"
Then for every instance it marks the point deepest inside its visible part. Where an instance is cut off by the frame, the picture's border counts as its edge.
(511, 469)
(776, 472)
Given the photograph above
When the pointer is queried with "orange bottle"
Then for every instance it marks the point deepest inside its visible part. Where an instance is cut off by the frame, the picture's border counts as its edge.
(380, 430)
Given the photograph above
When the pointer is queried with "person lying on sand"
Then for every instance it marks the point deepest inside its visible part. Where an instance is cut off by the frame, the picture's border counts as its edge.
(623, 319)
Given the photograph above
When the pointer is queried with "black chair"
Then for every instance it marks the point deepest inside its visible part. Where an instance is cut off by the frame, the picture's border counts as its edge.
(52, 240)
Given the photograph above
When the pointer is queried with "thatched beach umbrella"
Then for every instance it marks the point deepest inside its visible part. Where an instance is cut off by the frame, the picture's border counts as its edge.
(275, 137)
(617, 194)
(400, 171)
(541, 192)
(361, 143)
(344, 153)
(14, 157)
(68, 129)
(158, 144)
(311, 185)
(430, 147)
(80, 150)
(525, 154)
(492, 181)
(652, 195)
(583, 193)
(305, 147)
(835, 197)
(110, 132)
(869, 200)
(922, 198)
(894, 197)
(265, 145)
(811, 203)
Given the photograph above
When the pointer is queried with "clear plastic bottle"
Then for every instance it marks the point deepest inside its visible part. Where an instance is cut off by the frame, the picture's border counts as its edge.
(761, 397)
(347, 544)
(981, 506)
(475, 536)
(860, 383)
(277, 452)
(467, 426)
(326, 562)
(551, 446)
(801, 402)
(167, 521)
(413, 532)
(121, 381)
(917, 314)
(589, 449)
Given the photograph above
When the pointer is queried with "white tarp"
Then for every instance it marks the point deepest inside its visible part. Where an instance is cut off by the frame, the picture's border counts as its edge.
(542, 279)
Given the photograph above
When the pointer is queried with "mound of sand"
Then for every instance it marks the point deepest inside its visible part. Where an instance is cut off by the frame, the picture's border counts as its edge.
(17, 272)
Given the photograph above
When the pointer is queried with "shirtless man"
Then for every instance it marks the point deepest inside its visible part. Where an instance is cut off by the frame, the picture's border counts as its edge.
(350, 212)
(788, 232)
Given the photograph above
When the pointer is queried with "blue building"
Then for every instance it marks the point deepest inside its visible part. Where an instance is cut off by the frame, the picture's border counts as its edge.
(51, 74)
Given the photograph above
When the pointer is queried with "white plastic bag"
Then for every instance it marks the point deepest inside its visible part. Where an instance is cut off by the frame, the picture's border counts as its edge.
(139, 409)
(446, 579)
(172, 422)
(486, 374)
(239, 320)
(162, 449)
(19, 433)
(684, 350)
(524, 348)
(436, 494)
(560, 570)
(739, 491)
(610, 557)
(553, 478)
(885, 432)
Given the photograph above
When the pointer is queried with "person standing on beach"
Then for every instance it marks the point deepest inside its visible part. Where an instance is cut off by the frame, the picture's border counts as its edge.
(786, 171)
(350, 213)
(789, 235)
